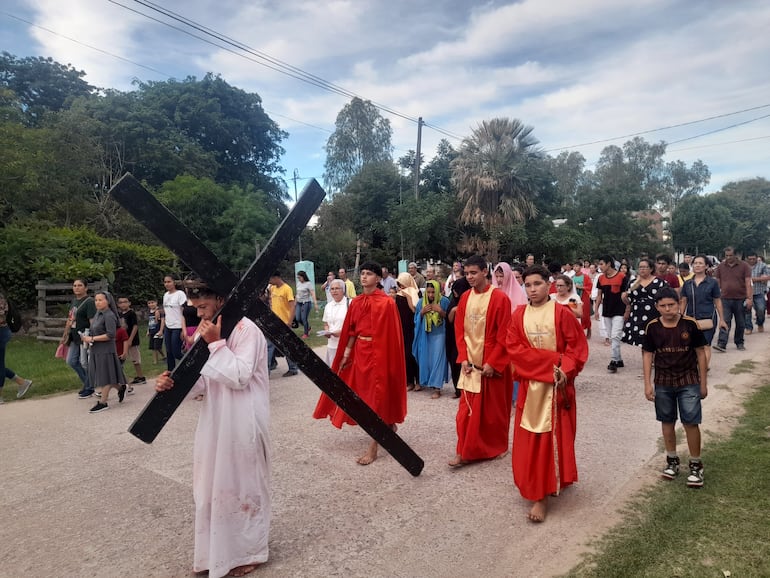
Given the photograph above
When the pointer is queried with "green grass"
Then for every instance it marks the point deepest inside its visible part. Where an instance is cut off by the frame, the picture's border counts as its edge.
(672, 530)
(745, 366)
(33, 359)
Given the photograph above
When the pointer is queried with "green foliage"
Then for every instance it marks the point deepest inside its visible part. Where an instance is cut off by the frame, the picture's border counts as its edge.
(426, 226)
(28, 255)
(361, 136)
(231, 221)
(224, 121)
(703, 225)
(749, 205)
(41, 85)
(493, 173)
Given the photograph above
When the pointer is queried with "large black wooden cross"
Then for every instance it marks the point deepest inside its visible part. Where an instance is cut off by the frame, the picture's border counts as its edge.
(244, 300)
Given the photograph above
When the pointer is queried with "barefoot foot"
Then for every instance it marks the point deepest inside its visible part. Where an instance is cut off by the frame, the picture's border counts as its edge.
(436, 395)
(457, 462)
(243, 570)
(537, 513)
(369, 456)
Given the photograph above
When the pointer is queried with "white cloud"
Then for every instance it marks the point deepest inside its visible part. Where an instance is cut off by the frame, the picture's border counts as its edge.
(576, 71)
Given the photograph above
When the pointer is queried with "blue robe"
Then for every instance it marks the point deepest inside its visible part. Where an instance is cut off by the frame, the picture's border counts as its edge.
(429, 349)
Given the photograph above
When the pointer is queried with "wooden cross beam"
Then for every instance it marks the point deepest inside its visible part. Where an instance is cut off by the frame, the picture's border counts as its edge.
(243, 300)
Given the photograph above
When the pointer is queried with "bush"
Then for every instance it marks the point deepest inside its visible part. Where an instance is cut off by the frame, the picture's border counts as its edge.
(58, 255)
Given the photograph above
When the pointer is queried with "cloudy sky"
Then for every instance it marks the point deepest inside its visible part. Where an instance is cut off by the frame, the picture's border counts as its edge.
(584, 74)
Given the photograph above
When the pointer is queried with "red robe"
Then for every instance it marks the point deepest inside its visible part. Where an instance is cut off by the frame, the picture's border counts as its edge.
(585, 320)
(376, 370)
(535, 454)
(484, 418)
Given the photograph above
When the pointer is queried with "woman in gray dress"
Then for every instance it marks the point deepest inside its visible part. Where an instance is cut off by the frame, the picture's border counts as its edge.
(104, 367)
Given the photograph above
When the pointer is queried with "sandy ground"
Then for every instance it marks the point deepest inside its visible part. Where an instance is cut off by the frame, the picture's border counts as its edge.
(82, 497)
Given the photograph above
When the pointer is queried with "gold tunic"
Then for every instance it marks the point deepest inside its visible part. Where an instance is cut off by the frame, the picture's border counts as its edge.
(540, 327)
(475, 331)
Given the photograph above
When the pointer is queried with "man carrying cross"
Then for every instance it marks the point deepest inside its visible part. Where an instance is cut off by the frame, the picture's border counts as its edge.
(231, 466)
(481, 325)
(548, 349)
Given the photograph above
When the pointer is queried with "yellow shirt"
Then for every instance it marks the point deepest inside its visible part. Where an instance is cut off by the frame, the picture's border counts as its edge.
(280, 301)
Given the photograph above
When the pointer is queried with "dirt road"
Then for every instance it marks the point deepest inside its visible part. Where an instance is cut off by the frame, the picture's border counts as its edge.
(82, 497)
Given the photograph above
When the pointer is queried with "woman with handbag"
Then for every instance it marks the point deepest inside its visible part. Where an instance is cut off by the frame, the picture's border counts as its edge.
(701, 299)
(640, 303)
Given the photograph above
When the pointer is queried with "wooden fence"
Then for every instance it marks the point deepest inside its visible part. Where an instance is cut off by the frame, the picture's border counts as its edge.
(52, 307)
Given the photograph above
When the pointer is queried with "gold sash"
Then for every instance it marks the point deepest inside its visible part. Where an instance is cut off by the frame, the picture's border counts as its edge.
(540, 328)
(475, 331)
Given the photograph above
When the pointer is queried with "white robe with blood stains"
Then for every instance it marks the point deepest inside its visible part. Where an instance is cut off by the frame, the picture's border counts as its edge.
(231, 467)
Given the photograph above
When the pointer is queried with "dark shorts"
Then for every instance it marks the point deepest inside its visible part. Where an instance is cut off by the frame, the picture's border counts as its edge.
(686, 398)
(155, 344)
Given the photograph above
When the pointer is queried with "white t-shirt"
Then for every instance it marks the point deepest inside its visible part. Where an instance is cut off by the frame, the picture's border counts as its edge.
(172, 308)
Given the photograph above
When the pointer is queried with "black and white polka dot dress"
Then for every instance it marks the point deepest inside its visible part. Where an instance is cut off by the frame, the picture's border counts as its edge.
(642, 310)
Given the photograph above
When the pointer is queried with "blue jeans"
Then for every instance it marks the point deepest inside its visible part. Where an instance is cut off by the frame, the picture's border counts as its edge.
(73, 360)
(733, 308)
(686, 398)
(5, 373)
(271, 357)
(303, 315)
(760, 306)
(173, 339)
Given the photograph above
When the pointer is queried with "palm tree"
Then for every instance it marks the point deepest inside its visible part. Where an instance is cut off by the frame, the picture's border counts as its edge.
(495, 174)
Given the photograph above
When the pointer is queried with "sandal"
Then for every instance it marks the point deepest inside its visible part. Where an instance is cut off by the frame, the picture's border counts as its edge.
(436, 395)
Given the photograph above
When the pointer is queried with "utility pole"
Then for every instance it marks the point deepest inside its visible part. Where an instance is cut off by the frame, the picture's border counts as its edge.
(417, 160)
(299, 237)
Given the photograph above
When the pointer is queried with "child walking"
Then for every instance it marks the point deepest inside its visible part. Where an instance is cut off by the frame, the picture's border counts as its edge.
(154, 337)
(677, 347)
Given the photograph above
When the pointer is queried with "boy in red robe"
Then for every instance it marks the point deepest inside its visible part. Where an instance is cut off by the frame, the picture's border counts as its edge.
(370, 358)
(548, 349)
(486, 385)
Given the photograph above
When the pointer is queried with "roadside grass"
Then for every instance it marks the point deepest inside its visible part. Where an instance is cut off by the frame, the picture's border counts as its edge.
(745, 366)
(33, 359)
(720, 530)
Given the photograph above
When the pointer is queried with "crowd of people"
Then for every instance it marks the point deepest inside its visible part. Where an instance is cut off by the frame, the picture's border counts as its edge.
(511, 338)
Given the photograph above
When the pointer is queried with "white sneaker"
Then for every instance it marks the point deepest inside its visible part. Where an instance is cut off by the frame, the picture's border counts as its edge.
(24, 388)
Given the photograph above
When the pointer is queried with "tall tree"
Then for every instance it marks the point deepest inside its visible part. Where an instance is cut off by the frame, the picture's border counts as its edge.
(361, 136)
(749, 204)
(41, 84)
(568, 173)
(232, 221)
(703, 225)
(437, 174)
(498, 174)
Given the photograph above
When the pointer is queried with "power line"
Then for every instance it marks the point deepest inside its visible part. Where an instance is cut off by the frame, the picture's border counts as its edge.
(85, 45)
(140, 65)
(299, 74)
(720, 129)
(262, 58)
(663, 128)
(720, 144)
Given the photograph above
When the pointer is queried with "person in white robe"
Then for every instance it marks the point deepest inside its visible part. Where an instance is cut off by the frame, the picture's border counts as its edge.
(231, 467)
